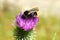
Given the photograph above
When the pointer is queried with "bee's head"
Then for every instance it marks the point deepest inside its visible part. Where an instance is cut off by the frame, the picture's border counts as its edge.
(30, 13)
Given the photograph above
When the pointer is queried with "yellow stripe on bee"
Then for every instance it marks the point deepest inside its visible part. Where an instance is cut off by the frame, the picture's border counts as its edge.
(38, 14)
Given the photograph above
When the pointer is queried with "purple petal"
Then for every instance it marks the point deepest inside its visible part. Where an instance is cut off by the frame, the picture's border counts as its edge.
(20, 22)
(29, 24)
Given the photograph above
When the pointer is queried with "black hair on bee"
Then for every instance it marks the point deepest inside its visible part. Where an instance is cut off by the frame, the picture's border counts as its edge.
(25, 14)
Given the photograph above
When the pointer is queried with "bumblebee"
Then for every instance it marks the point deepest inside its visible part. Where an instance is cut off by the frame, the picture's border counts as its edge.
(30, 13)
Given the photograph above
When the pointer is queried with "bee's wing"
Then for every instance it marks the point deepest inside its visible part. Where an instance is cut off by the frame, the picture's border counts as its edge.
(34, 9)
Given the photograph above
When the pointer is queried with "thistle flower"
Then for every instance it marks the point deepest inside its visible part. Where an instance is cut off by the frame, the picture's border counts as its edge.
(30, 18)
(26, 24)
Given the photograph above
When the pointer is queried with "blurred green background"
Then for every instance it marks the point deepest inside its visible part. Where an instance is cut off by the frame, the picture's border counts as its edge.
(47, 28)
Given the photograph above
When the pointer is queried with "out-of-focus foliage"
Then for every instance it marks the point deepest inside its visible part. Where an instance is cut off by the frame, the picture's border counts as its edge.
(45, 29)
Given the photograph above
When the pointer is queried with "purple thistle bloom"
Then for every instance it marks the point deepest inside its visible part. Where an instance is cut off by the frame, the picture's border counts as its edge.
(26, 24)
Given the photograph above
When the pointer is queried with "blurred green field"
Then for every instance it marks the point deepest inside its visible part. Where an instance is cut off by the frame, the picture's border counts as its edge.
(47, 28)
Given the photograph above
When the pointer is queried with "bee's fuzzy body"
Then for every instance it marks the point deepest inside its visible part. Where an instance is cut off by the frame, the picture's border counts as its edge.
(29, 13)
